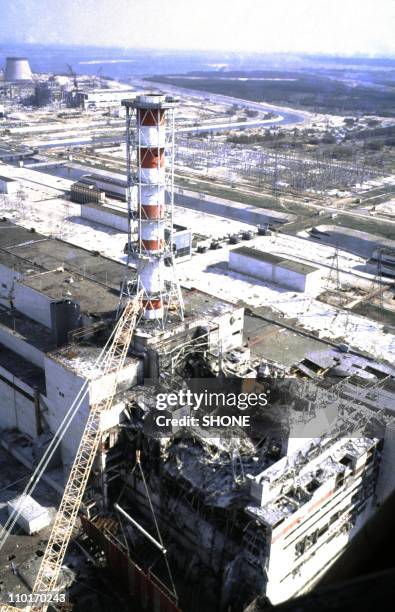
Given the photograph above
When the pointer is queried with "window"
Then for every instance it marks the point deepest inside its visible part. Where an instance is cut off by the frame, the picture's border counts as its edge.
(313, 485)
(339, 480)
(347, 461)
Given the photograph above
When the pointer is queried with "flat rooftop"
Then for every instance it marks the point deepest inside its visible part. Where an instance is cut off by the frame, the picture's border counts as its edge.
(81, 359)
(275, 342)
(62, 270)
(198, 302)
(51, 253)
(93, 297)
(12, 235)
(289, 264)
(19, 264)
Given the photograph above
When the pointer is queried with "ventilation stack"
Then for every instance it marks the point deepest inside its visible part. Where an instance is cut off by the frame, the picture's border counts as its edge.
(151, 145)
(17, 69)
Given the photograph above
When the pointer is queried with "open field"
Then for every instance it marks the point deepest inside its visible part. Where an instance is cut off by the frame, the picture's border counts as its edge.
(328, 93)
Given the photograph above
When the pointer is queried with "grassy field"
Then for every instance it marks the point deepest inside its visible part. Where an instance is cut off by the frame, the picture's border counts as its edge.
(325, 94)
(303, 210)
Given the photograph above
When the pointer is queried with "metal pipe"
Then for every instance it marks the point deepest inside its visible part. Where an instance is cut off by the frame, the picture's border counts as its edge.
(140, 528)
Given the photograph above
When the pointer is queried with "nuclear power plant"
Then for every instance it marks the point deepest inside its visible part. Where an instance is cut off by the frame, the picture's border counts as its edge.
(189, 419)
(17, 69)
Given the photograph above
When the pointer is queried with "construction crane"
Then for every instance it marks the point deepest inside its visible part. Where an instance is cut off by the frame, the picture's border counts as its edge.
(111, 363)
(74, 75)
(99, 75)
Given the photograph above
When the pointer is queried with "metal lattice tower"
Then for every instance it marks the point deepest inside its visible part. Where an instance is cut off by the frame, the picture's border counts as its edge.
(334, 269)
(150, 180)
(111, 363)
(378, 282)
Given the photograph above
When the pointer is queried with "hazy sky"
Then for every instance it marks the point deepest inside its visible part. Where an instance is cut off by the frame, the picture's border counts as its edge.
(322, 26)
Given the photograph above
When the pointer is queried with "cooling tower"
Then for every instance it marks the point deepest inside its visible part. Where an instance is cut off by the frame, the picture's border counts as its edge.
(17, 69)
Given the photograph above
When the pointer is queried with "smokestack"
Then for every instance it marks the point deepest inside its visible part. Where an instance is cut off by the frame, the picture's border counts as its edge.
(17, 69)
(154, 140)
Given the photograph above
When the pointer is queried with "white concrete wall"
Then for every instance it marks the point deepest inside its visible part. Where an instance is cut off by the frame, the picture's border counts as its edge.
(102, 388)
(289, 278)
(314, 282)
(238, 211)
(33, 304)
(105, 217)
(230, 332)
(8, 187)
(16, 410)
(8, 278)
(285, 583)
(251, 266)
(275, 273)
(63, 386)
(314, 515)
(15, 342)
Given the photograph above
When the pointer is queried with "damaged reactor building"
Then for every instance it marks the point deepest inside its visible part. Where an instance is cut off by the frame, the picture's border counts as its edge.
(188, 517)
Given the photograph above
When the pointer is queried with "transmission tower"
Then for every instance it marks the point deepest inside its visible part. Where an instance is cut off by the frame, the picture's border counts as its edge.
(334, 270)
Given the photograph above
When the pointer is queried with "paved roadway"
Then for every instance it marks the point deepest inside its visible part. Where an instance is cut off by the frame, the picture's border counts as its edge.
(288, 116)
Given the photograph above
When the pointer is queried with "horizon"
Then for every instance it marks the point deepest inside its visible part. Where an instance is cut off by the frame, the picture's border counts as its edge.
(175, 50)
(307, 27)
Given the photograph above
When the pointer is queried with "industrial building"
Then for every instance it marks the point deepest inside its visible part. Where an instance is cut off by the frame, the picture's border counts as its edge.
(111, 217)
(274, 269)
(182, 241)
(116, 188)
(118, 219)
(186, 517)
(84, 194)
(8, 185)
(51, 293)
(57, 301)
(101, 98)
(52, 91)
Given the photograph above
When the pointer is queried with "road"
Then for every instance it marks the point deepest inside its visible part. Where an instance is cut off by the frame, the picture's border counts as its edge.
(288, 115)
(230, 125)
(312, 207)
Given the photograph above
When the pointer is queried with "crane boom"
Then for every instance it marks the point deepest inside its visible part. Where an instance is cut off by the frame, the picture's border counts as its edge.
(74, 75)
(112, 362)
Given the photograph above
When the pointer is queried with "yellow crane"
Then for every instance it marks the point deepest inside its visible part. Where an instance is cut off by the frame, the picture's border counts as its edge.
(112, 362)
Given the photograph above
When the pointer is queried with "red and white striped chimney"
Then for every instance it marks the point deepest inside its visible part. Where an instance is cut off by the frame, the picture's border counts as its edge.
(154, 178)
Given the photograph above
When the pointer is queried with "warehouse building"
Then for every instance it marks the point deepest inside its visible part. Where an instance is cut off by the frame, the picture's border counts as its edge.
(8, 185)
(101, 98)
(287, 273)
